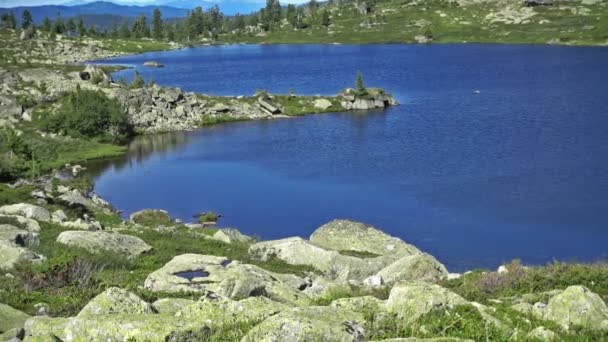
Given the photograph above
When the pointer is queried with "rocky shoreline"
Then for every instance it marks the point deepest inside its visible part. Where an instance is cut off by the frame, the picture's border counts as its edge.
(355, 260)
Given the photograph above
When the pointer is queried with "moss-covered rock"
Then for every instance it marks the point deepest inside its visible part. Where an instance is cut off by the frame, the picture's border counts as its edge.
(18, 237)
(170, 306)
(133, 327)
(410, 300)
(297, 251)
(230, 235)
(365, 304)
(115, 300)
(11, 318)
(216, 311)
(541, 334)
(43, 328)
(27, 210)
(315, 323)
(151, 218)
(344, 235)
(11, 255)
(578, 306)
(423, 267)
(201, 273)
(126, 245)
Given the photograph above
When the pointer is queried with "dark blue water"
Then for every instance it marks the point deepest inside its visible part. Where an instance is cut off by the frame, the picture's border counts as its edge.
(517, 171)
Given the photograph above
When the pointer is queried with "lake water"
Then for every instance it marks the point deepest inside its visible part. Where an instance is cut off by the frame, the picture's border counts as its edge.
(519, 170)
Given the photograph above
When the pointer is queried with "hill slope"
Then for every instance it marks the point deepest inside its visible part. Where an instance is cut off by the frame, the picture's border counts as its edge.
(502, 21)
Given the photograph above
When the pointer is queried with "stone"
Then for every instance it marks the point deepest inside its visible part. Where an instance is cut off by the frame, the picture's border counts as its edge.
(18, 237)
(153, 64)
(170, 306)
(95, 74)
(59, 216)
(13, 335)
(75, 198)
(201, 273)
(578, 306)
(11, 318)
(82, 225)
(322, 104)
(230, 235)
(26, 34)
(410, 300)
(151, 217)
(11, 255)
(373, 281)
(94, 241)
(314, 323)
(115, 300)
(541, 334)
(214, 310)
(346, 235)
(422, 267)
(27, 210)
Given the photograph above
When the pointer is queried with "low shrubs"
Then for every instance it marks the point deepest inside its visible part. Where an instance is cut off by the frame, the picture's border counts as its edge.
(88, 113)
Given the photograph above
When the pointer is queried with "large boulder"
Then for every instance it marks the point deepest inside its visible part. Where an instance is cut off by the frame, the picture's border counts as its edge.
(578, 306)
(345, 235)
(27, 210)
(315, 323)
(115, 300)
(422, 267)
(18, 237)
(297, 251)
(230, 235)
(410, 300)
(202, 273)
(11, 318)
(322, 104)
(11, 255)
(215, 311)
(151, 218)
(127, 245)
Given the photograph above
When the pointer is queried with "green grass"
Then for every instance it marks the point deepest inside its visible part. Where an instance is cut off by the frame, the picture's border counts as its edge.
(359, 254)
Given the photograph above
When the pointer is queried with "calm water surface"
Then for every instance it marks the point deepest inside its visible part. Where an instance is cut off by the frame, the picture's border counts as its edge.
(519, 170)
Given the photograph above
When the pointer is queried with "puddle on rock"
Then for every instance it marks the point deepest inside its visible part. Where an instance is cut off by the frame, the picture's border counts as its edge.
(192, 274)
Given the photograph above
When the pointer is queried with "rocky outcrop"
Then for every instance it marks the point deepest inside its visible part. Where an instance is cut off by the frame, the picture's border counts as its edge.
(231, 235)
(95, 241)
(95, 75)
(116, 301)
(420, 266)
(18, 237)
(170, 306)
(376, 98)
(315, 323)
(202, 273)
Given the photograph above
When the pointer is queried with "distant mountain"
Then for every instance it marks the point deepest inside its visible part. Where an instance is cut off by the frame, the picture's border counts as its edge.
(229, 7)
(98, 8)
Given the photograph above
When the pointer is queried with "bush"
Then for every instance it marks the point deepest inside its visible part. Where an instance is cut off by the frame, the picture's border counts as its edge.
(90, 113)
(138, 81)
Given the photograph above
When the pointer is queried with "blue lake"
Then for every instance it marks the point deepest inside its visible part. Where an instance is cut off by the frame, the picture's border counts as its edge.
(519, 170)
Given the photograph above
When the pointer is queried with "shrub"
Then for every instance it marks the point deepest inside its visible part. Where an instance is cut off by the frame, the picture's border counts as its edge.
(208, 217)
(138, 81)
(91, 114)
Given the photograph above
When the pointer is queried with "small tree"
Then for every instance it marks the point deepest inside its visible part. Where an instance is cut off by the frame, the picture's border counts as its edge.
(360, 85)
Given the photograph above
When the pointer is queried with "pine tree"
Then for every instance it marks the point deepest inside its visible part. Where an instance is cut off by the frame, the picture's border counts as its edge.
(291, 15)
(26, 19)
(157, 25)
(59, 26)
(70, 26)
(124, 29)
(325, 21)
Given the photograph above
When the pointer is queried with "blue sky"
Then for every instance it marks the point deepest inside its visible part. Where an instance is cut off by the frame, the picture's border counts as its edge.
(13, 3)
